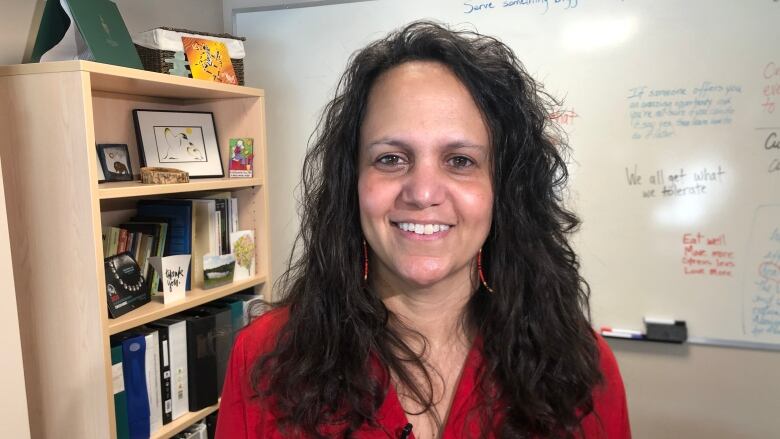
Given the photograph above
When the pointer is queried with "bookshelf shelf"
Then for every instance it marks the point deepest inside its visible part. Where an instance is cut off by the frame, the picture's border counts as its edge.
(178, 425)
(53, 115)
(156, 310)
(115, 79)
(128, 189)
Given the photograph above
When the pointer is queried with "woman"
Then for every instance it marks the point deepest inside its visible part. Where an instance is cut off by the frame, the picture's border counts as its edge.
(435, 294)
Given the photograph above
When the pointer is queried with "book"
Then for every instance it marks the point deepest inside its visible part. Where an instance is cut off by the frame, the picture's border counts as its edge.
(122, 247)
(203, 236)
(134, 372)
(165, 373)
(177, 356)
(84, 29)
(179, 214)
(152, 363)
(223, 207)
(120, 398)
(159, 231)
(201, 359)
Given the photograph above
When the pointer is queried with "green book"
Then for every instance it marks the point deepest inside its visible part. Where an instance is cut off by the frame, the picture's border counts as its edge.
(97, 21)
(120, 398)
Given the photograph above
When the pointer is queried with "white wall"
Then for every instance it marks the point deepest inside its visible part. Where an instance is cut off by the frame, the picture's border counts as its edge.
(13, 404)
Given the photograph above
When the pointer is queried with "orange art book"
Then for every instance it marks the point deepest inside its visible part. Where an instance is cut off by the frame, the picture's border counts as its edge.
(209, 60)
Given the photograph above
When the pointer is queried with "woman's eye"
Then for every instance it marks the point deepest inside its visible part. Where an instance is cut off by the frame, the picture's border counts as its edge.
(461, 162)
(390, 160)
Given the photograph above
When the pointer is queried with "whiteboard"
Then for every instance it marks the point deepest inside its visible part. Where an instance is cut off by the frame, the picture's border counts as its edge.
(671, 109)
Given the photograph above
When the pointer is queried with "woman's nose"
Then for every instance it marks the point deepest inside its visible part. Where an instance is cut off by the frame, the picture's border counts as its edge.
(425, 186)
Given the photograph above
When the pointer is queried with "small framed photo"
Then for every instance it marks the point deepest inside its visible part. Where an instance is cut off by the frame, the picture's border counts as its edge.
(101, 174)
(184, 140)
(115, 161)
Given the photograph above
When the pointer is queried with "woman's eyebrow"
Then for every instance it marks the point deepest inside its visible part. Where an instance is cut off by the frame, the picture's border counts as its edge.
(452, 145)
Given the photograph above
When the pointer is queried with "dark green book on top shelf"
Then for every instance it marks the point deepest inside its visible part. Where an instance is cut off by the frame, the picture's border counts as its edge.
(98, 26)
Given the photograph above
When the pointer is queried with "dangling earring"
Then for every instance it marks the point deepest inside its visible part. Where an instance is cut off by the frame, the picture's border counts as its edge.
(481, 273)
(365, 261)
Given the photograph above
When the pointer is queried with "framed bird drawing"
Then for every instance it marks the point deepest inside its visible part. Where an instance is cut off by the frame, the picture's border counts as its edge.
(179, 139)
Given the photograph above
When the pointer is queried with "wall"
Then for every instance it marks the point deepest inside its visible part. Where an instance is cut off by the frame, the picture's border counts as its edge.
(20, 19)
(13, 405)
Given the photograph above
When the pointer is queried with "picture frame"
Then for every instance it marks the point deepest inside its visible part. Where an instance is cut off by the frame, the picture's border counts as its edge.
(115, 161)
(185, 140)
(101, 174)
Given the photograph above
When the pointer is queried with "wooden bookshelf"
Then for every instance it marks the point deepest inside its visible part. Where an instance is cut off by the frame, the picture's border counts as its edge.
(128, 189)
(53, 115)
(179, 424)
(157, 310)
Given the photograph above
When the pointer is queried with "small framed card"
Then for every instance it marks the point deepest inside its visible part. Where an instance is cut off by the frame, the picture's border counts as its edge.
(241, 157)
(242, 245)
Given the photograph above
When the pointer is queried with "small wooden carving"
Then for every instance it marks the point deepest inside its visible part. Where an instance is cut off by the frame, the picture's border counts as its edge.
(163, 176)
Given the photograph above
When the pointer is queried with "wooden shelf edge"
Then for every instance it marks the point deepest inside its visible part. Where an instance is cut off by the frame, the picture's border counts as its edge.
(125, 73)
(130, 189)
(179, 424)
(157, 310)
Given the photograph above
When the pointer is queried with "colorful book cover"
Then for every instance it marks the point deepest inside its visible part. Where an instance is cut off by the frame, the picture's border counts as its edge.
(241, 157)
(209, 60)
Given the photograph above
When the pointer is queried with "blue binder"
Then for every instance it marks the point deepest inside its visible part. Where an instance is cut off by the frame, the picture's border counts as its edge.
(133, 363)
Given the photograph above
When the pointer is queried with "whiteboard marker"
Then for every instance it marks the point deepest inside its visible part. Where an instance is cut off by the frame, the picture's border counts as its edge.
(624, 331)
(622, 335)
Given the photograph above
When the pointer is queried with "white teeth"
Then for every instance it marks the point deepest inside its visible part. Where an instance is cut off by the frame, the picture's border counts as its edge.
(423, 229)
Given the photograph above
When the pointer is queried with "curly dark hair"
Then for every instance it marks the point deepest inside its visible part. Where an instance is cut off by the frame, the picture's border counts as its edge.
(541, 356)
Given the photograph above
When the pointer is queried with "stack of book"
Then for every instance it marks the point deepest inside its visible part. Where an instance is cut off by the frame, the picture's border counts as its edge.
(164, 227)
(175, 365)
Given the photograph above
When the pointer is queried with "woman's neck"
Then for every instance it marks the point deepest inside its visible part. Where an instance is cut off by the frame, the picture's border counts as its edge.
(435, 312)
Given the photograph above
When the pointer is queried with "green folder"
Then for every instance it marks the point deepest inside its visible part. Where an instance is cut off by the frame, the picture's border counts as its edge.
(120, 400)
(100, 25)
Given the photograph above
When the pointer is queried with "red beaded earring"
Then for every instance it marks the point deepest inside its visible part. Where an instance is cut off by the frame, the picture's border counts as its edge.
(365, 261)
(481, 273)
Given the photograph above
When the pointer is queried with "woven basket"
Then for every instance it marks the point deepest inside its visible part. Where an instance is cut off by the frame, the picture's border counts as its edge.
(154, 59)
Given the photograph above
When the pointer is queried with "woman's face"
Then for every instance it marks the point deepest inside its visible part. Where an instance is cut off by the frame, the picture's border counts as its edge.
(424, 182)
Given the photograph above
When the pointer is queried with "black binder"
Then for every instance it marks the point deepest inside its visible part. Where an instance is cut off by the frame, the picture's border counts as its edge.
(223, 338)
(165, 371)
(201, 359)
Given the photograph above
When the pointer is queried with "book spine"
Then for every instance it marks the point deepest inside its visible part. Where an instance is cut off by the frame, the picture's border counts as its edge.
(165, 375)
(177, 339)
(120, 397)
(233, 215)
(122, 246)
(153, 380)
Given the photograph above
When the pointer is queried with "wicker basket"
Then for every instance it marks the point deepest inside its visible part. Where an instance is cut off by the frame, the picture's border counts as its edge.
(154, 60)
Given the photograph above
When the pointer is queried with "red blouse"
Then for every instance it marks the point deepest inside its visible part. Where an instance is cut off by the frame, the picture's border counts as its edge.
(241, 417)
